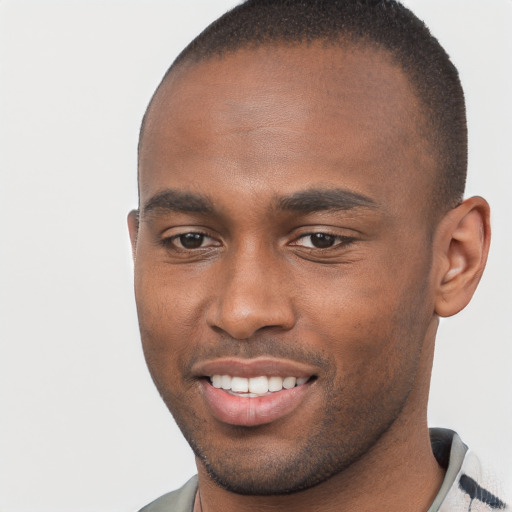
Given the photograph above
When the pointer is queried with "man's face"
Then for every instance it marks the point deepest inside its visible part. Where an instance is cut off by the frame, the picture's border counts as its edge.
(284, 235)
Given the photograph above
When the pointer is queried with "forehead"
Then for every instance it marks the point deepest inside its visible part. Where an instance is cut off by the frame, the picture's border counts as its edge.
(327, 113)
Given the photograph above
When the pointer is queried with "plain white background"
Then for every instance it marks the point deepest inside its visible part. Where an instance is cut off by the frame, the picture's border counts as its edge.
(81, 427)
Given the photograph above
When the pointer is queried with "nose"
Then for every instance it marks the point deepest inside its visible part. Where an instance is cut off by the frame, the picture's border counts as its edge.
(251, 296)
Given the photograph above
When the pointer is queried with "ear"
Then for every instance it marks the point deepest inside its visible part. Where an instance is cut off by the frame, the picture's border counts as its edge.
(461, 245)
(133, 229)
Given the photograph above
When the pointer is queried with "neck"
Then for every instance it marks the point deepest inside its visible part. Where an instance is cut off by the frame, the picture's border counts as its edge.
(398, 473)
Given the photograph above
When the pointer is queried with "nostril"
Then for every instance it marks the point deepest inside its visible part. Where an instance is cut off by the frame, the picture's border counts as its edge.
(241, 317)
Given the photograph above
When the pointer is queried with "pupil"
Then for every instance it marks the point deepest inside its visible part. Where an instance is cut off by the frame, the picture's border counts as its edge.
(321, 240)
(191, 240)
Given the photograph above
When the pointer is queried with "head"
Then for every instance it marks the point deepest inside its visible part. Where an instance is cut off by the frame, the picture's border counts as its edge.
(301, 170)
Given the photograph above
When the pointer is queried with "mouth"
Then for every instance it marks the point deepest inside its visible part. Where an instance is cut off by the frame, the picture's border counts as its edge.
(255, 387)
(256, 392)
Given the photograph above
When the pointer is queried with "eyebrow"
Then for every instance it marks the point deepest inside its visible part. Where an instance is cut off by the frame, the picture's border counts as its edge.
(318, 199)
(306, 201)
(177, 201)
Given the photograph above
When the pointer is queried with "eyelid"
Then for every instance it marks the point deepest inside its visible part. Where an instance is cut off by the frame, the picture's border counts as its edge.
(169, 241)
(339, 239)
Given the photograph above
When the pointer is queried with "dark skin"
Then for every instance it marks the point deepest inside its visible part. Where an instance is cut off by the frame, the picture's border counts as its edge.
(285, 227)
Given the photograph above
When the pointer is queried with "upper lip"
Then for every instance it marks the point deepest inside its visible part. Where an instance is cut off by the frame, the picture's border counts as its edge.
(253, 368)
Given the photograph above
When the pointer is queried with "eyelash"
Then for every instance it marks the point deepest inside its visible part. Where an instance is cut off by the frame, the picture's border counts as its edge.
(169, 242)
(338, 240)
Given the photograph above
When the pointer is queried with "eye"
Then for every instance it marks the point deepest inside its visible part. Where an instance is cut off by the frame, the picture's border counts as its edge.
(322, 240)
(190, 241)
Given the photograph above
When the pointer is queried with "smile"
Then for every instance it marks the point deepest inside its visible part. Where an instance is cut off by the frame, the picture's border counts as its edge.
(253, 401)
(258, 391)
(255, 386)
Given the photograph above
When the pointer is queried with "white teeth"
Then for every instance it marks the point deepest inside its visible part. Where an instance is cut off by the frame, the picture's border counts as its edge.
(217, 381)
(256, 386)
(289, 382)
(240, 384)
(226, 382)
(275, 384)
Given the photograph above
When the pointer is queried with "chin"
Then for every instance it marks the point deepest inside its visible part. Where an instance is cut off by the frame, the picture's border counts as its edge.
(282, 471)
(266, 481)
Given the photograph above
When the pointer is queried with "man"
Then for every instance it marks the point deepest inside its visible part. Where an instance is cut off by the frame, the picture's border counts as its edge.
(301, 230)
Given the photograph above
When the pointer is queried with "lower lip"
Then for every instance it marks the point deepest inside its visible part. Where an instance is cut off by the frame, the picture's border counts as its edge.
(250, 412)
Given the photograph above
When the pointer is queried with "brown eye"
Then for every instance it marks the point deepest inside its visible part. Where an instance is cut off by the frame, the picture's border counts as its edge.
(191, 240)
(322, 240)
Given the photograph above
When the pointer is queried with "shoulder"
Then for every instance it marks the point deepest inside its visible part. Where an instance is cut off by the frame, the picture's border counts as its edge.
(181, 500)
(467, 486)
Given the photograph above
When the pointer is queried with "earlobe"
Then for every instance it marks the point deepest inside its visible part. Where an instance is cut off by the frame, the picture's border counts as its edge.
(461, 245)
(133, 229)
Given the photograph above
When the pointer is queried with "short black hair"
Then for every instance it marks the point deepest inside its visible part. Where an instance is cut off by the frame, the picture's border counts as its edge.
(383, 24)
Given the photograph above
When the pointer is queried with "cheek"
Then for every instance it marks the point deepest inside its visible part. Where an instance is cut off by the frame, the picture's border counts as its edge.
(374, 327)
(169, 307)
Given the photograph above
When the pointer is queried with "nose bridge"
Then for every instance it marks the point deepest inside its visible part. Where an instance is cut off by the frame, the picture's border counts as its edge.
(251, 293)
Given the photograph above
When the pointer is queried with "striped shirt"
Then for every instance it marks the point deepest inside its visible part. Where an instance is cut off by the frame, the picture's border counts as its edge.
(465, 488)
